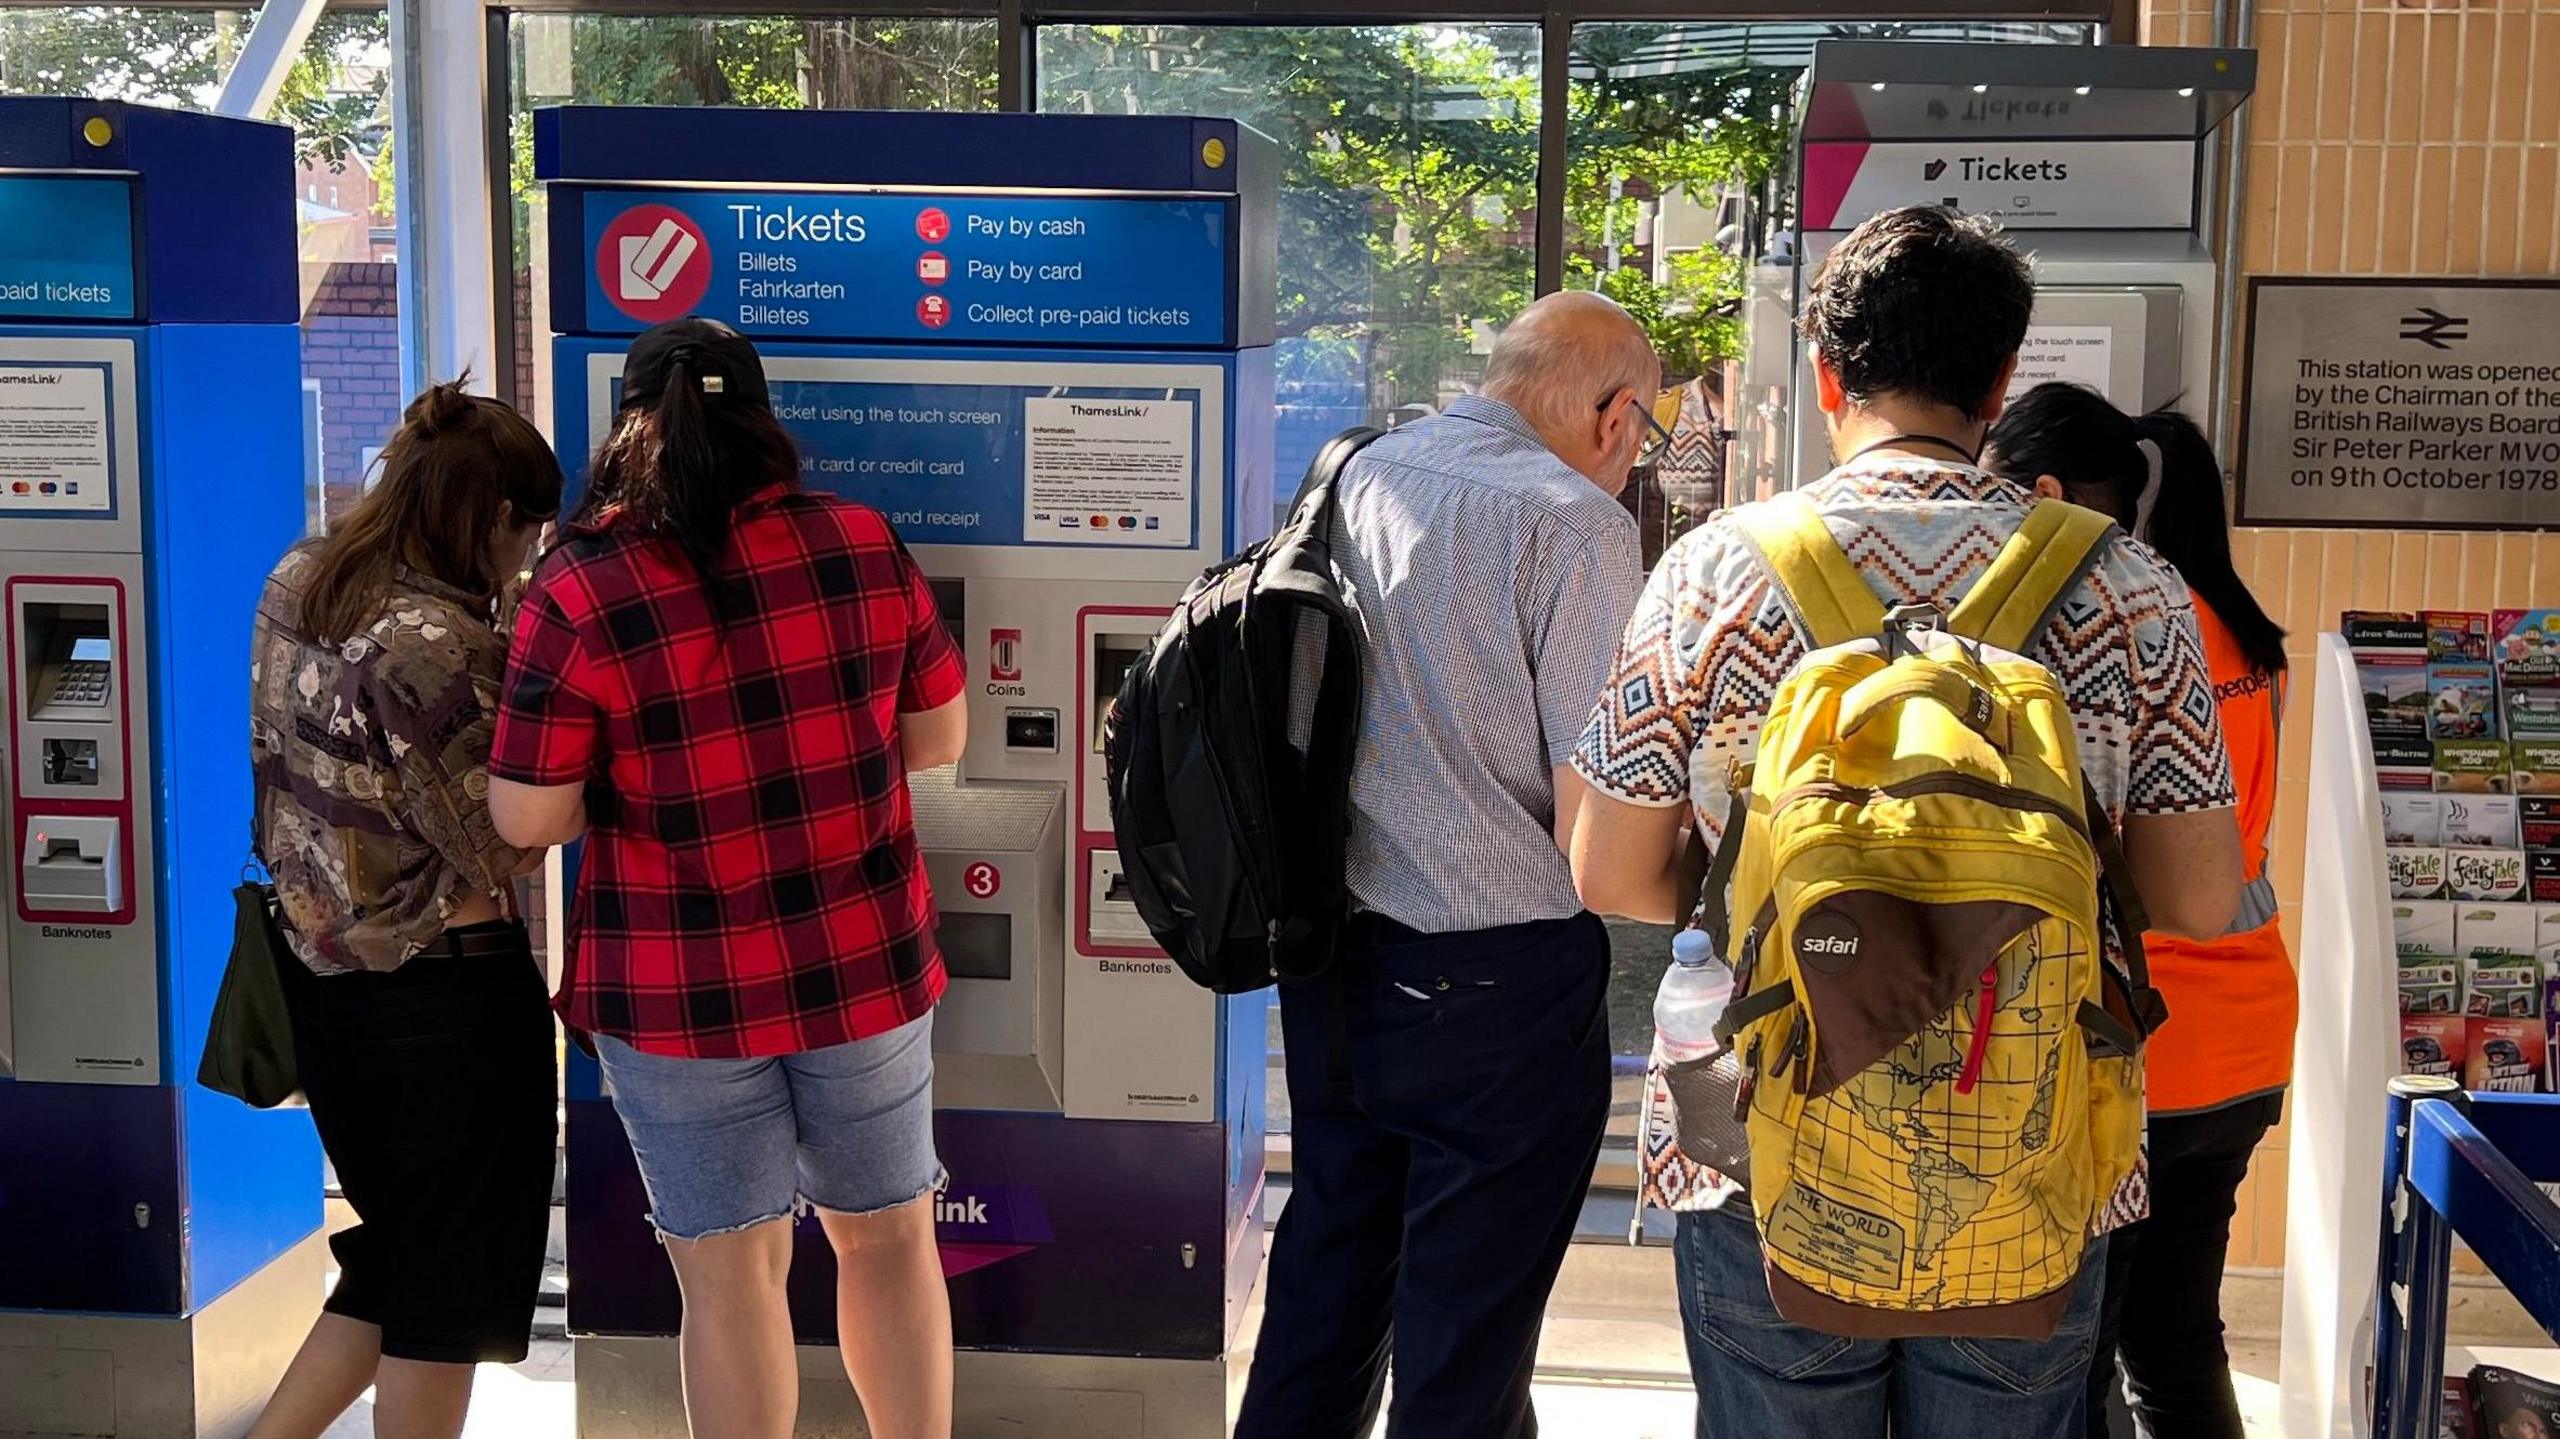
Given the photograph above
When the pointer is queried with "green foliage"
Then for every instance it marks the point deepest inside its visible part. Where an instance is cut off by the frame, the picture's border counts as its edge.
(1411, 162)
(1410, 153)
(1693, 315)
(334, 96)
(337, 103)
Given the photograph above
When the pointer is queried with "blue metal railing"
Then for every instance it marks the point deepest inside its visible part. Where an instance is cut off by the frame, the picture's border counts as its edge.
(2466, 1164)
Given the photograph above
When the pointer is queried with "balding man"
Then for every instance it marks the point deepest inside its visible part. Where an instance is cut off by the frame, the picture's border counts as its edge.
(1436, 1176)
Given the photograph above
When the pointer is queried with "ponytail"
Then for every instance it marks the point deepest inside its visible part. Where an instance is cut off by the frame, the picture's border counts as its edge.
(2096, 452)
(2190, 530)
(2074, 434)
(682, 462)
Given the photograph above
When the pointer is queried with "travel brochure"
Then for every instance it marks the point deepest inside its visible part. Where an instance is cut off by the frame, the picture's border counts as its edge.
(2463, 708)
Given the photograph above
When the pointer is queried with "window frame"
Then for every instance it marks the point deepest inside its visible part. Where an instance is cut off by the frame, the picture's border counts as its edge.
(1018, 24)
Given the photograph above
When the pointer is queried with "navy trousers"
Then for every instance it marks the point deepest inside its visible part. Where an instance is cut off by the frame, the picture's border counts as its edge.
(1430, 1206)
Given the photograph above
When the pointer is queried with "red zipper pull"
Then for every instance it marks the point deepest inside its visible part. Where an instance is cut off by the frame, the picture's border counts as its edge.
(1986, 1003)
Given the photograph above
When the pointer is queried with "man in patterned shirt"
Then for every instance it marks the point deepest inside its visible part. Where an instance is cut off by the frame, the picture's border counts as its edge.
(1490, 570)
(1915, 322)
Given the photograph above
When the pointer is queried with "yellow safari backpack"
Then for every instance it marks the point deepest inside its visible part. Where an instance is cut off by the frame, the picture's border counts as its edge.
(1941, 1075)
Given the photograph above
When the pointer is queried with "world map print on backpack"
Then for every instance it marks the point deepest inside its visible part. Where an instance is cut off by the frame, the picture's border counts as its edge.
(1941, 1074)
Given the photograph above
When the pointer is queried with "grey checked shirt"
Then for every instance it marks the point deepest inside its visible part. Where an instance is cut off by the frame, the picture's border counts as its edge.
(1489, 583)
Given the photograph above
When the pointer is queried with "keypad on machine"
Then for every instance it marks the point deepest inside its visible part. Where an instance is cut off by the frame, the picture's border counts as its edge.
(83, 682)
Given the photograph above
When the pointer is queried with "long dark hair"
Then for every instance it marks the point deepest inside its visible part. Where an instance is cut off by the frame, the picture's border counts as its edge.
(456, 459)
(682, 461)
(2074, 434)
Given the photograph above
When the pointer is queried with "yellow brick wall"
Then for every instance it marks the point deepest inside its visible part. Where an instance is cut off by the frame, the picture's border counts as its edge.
(2386, 139)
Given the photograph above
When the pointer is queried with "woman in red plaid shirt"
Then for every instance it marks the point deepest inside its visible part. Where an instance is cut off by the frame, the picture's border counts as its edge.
(721, 680)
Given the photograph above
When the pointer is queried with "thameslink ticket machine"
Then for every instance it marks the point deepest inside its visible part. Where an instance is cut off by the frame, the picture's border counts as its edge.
(1040, 345)
(150, 473)
(2090, 156)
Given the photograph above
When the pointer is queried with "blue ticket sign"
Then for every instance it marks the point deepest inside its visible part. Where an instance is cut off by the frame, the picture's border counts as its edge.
(66, 248)
(911, 267)
(1005, 464)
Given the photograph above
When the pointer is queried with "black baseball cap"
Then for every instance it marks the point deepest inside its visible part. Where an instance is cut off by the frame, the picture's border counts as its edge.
(718, 357)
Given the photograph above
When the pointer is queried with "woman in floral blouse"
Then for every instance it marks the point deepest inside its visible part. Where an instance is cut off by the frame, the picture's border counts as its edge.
(424, 1032)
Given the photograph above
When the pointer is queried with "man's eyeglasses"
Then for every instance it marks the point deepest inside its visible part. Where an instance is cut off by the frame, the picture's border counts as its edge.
(1655, 443)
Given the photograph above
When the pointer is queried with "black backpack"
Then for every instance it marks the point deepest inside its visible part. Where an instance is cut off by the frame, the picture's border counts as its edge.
(1228, 753)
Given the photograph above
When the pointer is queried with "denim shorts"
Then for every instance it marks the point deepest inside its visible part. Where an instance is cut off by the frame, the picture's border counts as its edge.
(726, 1144)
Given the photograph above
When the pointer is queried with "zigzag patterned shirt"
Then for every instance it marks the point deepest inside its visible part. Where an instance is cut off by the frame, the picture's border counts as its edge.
(1710, 640)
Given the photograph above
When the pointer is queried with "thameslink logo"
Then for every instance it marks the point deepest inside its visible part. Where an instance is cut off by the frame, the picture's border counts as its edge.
(979, 1228)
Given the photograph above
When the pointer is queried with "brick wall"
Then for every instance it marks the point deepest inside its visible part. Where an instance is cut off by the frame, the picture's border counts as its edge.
(2409, 138)
(351, 346)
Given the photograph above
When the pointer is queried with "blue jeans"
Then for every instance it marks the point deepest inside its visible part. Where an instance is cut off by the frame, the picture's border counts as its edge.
(1760, 1377)
(1432, 1204)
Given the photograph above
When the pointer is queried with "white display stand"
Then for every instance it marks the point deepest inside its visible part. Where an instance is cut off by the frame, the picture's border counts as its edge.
(2345, 1054)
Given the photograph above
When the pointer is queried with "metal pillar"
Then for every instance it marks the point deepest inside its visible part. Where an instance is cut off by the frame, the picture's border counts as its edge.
(440, 158)
(275, 42)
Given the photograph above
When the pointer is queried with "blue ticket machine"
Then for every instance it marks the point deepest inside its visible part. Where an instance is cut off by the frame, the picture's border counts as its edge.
(1042, 346)
(150, 472)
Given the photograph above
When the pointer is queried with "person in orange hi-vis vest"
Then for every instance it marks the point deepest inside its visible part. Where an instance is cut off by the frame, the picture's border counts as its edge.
(2218, 1069)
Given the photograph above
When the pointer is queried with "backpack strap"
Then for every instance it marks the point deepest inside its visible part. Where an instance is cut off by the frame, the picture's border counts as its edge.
(2115, 875)
(2044, 560)
(1823, 592)
(1325, 471)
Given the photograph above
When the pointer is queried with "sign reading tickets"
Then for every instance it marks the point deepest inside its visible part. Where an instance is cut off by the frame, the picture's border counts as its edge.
(1130, 272)
(66, 248)
(2024, 185)
(2395, 404)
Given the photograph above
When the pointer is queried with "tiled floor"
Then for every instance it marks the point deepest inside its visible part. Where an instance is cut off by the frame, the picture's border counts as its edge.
(533, 1400)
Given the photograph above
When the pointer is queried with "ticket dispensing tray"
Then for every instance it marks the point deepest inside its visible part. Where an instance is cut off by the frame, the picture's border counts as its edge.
(997, 862)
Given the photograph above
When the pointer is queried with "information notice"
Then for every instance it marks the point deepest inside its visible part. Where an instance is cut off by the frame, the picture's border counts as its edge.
(2402, 404)
(1108, 471)
(1009, 453)
(2070, 354)
(55, 440)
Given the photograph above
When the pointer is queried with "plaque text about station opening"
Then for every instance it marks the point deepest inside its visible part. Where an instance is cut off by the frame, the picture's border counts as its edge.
(2401, 404)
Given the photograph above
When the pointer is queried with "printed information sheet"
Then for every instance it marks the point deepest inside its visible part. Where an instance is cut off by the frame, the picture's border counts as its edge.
(1108, 471)
(2072, 354)
(54, 438)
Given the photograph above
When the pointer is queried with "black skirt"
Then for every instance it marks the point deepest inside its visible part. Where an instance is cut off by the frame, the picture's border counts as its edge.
(434, 1088)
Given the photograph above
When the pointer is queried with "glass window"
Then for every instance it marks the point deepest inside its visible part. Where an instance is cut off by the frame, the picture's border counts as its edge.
(1407, 204)
(337, 99)
(763, 61)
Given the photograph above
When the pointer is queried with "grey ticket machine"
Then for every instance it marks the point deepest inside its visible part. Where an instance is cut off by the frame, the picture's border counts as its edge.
(2090, 156)
(1041, 347)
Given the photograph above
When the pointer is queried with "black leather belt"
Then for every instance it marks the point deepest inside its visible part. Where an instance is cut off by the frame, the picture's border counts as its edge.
(493, 938)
